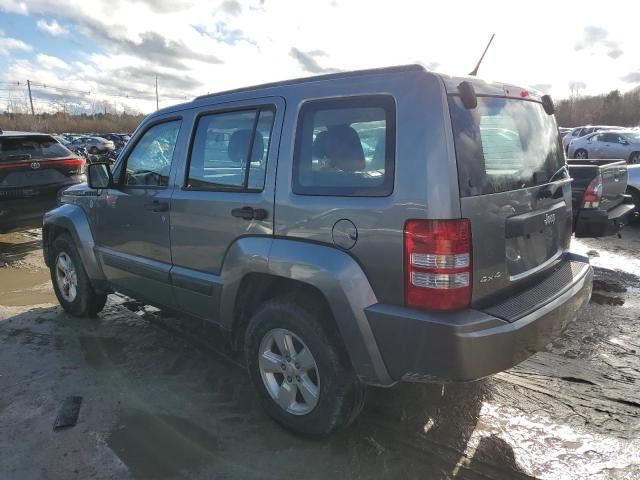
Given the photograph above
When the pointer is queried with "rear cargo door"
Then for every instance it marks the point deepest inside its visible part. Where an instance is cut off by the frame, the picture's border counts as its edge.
(515, 190)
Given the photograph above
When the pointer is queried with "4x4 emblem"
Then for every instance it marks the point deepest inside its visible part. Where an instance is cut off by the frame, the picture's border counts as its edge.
(35, 165)
(549, 218)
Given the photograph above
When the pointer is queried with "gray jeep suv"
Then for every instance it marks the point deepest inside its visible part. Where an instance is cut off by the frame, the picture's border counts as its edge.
(353, 229)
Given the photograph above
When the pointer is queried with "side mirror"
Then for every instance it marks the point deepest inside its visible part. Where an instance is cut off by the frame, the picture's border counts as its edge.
(99, 175)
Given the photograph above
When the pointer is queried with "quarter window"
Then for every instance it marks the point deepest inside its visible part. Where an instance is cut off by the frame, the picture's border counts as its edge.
(149, 163)
(230, 150)
(345, 147)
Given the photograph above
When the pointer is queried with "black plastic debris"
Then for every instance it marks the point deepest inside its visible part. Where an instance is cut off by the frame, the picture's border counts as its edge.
(68, 413)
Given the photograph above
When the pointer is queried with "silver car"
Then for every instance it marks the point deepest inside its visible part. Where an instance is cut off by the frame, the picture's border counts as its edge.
(623, 144)
(358, 228)
(583, 131)
(94, 145)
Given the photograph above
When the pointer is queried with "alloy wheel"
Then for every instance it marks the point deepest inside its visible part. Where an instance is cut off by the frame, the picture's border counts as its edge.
(289, 371)
(66, 277)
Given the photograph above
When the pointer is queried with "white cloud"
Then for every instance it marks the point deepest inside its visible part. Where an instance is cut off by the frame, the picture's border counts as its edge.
(53, 28)
(198, 47)
(8, 44)
(14, 6)
(51, 63)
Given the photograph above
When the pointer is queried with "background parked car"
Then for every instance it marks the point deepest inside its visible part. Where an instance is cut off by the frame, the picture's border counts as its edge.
(118, 139)
(94, 145)
(33, 168)
(633, 189)
(618, 144)
(600, 205)
(579, 132)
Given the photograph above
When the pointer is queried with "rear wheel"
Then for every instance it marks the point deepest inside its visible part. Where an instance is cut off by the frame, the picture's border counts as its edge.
(70, 282)
(580, 153)
(300, 369)
(634, 158)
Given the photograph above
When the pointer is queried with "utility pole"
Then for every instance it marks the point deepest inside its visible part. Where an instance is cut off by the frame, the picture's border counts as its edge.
(157, 92)
(30, 97)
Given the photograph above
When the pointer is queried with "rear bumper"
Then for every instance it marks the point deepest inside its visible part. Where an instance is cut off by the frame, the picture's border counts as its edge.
(27, 212)
(600, 223)
(472, 344)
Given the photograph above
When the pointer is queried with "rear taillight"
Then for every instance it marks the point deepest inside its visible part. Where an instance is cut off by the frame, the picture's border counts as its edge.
(438, 265)
(593, 193)
(39, 164)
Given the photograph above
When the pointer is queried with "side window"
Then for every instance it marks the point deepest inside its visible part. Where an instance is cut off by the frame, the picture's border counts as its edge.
(345, 147)
(149, 163)
(230, 149)
(576, 132)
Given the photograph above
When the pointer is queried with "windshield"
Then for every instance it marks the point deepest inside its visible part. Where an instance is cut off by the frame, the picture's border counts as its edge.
(504, 144)
(31, 146)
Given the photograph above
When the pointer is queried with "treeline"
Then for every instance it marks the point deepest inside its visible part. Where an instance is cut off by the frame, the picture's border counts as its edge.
(613, 108)
(63, 123)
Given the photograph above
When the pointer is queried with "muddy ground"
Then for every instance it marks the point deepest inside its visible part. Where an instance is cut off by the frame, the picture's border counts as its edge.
(163, 398)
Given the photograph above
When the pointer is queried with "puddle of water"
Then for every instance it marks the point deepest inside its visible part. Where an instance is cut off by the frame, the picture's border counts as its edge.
(163, 446)
(548, 450)
(607, 259)
(21, 287)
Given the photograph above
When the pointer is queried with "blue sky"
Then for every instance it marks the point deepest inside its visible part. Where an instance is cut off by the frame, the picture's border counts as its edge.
(114, 48)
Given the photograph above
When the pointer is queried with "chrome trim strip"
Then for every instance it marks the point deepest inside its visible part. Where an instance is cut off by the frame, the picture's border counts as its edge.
(533, 270)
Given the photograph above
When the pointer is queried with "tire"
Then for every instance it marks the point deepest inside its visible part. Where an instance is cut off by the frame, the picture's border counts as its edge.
(340, 395)
(580, 153)
(93, 150)
(634, 159)
(81, 300)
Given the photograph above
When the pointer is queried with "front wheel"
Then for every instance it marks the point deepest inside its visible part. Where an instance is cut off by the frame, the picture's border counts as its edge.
(300, 369)
(581, 154)
(70, 282)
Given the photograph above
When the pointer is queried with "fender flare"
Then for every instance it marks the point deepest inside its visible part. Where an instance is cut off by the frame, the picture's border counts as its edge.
(73, 219)
(331, 271)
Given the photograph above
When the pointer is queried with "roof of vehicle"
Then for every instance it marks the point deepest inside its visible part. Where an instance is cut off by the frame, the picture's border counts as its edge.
(319, 78)
(15, 133)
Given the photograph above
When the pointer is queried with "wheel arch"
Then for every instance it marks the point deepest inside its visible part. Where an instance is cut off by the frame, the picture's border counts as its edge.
(312, 272)
(72, 220)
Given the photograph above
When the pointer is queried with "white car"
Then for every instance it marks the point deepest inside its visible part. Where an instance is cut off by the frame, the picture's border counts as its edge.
(579, 132)
(623, 144)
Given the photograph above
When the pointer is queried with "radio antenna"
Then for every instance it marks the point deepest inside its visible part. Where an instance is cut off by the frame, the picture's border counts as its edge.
(474, 72)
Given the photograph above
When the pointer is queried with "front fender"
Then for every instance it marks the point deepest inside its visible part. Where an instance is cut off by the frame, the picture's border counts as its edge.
(73, 220)
(331, 271)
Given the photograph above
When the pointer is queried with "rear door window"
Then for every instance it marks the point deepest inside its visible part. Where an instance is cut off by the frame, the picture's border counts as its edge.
(504, 144)
(230, 150)
(31, 147)
(345, 147)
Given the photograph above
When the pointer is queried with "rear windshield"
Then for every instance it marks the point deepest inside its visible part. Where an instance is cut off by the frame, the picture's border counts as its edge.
(31, 146)
(504, 144)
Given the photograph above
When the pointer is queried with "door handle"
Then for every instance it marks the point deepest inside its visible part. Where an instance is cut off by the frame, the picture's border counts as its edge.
(158, 206)
(250, 213)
